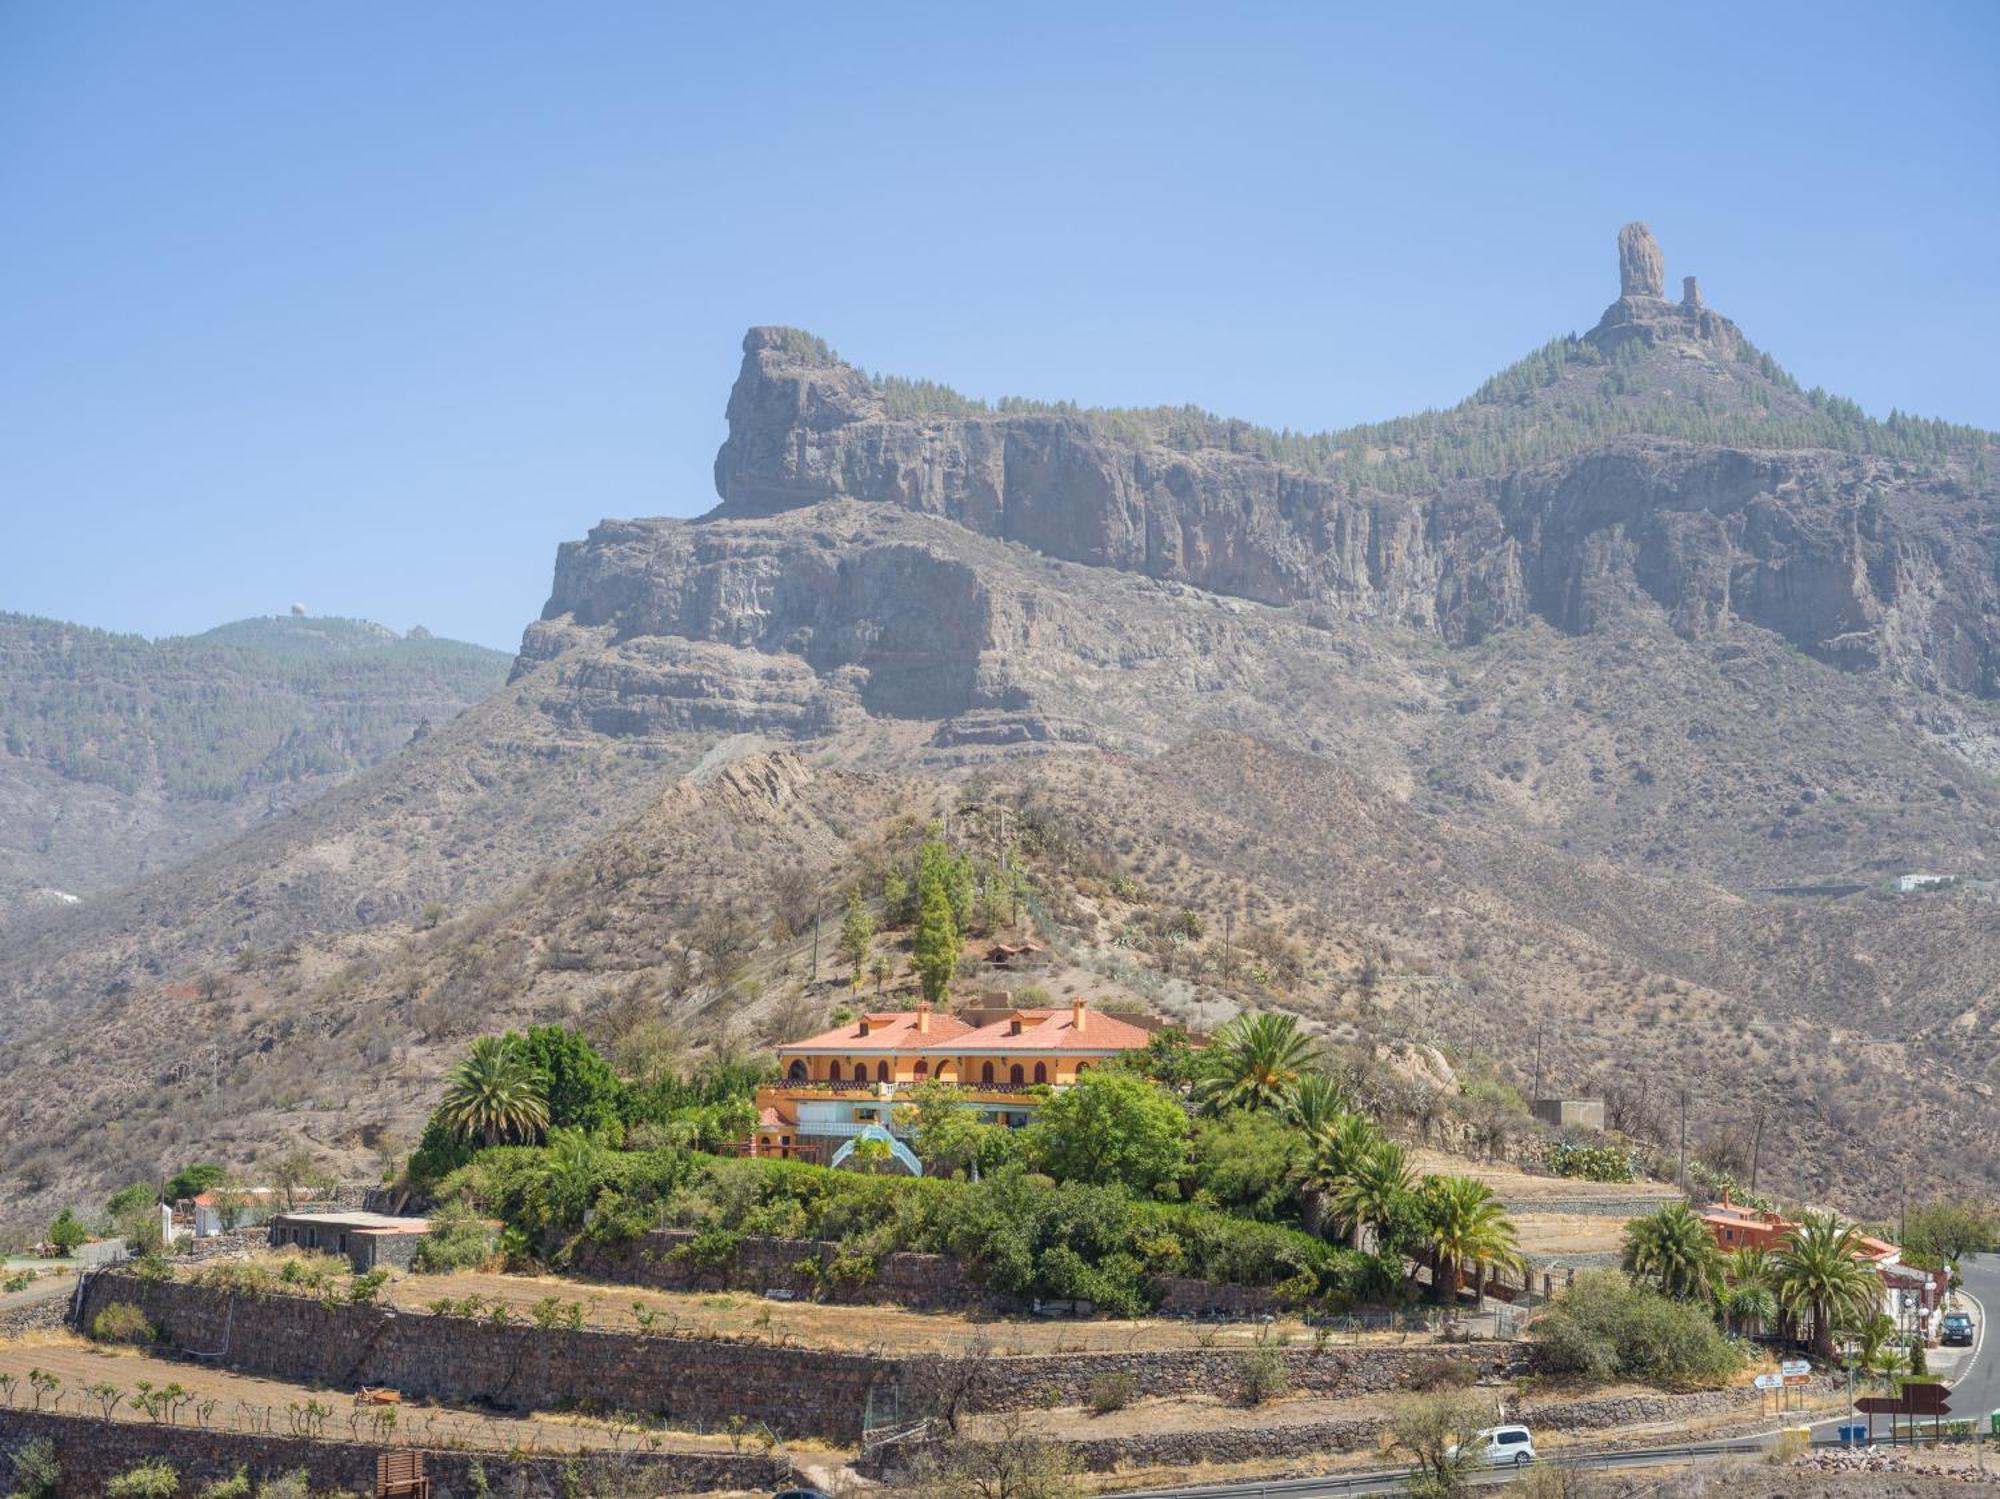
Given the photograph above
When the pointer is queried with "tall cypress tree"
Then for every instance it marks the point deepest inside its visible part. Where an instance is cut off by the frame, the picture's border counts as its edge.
(936, 954)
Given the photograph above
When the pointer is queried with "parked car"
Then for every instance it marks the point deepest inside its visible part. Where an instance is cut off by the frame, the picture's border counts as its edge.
(799, 1494)
(1956, 1330)
(1500, 1447)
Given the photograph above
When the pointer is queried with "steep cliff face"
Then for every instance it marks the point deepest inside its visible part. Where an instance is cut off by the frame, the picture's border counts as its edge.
(1864, 560)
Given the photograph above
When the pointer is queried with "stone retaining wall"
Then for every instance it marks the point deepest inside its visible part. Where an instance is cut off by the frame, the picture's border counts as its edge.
(91, 1451)
(517, 1366)
(1019, 1380)
(703, 1382)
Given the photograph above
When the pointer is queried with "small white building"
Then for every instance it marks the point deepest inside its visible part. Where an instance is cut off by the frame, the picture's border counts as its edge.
(1906, 883)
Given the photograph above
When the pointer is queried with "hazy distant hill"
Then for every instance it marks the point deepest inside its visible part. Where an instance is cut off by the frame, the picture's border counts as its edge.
(120, 756)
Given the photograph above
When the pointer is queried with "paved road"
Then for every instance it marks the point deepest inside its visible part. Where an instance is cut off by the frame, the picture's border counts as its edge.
(1974, 1374)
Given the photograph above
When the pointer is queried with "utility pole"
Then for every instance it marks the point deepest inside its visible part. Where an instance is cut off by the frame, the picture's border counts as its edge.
(1756, 1149)
(1536, 1098)
(1228, 931)
(214, 1072)
(1684, 1140)
(815, 972)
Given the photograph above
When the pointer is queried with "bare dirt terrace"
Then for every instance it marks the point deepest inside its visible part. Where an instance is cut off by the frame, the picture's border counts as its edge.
(1516, 1186)
(244, 1402)
(886, 1329)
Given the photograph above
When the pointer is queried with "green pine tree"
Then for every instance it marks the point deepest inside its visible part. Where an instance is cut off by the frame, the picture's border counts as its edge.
(936, 954)
(856, 933)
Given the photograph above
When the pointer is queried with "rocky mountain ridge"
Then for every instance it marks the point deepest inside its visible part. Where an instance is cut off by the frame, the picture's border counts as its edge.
(1863, 559)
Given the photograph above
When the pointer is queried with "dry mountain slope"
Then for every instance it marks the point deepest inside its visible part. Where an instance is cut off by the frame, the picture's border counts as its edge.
(120, 755)
(1537, 697)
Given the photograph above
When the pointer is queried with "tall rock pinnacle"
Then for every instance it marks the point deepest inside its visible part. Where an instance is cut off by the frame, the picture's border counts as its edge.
(1642, 270)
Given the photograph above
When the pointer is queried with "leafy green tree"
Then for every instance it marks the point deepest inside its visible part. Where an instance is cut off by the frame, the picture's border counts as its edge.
(1944, 1232)
(1249, 1164)
(857, 932)
(1820, 1276)
(1673, 1250)
(1467, 1225)
(1438, 1432)
(67, 1233)
(192, 1181)
(1111, 1127)
(946, 1132)
(578, 1085)
(495, 1095)
(935, 955)
(1254, 1062)
(1168, 1058)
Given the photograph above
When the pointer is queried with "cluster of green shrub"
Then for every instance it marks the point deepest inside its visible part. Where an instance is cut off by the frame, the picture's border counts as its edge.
(1596, 1163)
(1017, 1233)
(1607, 1327)
(527, 1087)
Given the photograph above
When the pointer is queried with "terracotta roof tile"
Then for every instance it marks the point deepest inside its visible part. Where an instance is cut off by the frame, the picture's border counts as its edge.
(895, 1030)
(1055, 1030)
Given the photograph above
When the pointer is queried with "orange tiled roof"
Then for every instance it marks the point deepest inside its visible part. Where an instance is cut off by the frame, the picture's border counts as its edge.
(894, 1030)
(1055, 1030)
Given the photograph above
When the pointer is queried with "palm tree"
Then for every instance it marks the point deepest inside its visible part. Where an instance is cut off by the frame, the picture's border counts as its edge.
(1315, 1104)
(1819, 1272)
(1465, 1221)
(1372, 1190)
(1254, 1062)
(1338, 1151)
(1675, 1251)
(494, 1095)
(1875, 1340)
(1750, 1308)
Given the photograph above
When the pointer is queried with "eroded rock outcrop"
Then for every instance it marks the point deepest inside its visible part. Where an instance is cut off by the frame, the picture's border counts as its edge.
(794, 626)
(1642, 270)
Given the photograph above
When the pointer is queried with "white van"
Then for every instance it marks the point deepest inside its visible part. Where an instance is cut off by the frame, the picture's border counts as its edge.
(1501, 1447)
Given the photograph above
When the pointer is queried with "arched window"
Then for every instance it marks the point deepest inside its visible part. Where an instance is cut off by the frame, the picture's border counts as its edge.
(797, 1072)
(1041, 1073)
(986, 1073)
(1015, 1075)
(833, 1070)
(1081, 1068)
(923, 1069)
(882, 1072)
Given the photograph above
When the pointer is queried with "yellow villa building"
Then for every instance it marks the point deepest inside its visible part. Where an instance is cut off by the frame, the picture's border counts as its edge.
(841, 1085)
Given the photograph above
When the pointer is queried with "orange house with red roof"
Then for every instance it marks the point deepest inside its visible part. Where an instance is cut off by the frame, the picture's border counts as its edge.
(842, 1084)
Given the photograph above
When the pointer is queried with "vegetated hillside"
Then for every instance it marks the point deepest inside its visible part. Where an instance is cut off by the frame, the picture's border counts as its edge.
(120, 756)
(1524, 747)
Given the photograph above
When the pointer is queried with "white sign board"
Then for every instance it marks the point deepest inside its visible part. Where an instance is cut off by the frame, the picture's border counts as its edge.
(1770, 1381)
(1795, 1366)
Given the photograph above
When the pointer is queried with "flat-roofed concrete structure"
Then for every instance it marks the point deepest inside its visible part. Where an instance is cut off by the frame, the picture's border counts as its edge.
(364, 1240)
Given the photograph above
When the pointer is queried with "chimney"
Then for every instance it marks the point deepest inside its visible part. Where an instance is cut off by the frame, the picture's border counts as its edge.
(924, 1015)
(864, 1025)
(1725, 1194)
(1014, 1026)
(1079, 1014)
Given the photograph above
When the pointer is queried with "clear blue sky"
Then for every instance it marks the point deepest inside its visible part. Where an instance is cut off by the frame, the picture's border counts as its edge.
(370, 305)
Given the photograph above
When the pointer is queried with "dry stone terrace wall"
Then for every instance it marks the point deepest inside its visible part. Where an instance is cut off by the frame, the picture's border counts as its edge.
(689, 1382)
(699, 1382)
(91, 1452)
(1019, 1380)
